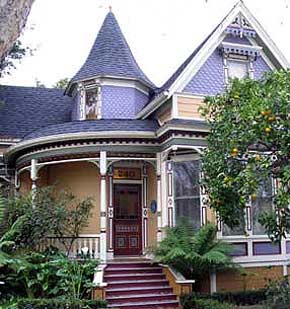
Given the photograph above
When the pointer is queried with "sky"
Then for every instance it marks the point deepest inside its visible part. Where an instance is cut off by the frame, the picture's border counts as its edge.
(161, 33)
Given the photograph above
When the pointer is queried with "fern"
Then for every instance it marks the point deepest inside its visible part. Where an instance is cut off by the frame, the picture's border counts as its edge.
(194, 254)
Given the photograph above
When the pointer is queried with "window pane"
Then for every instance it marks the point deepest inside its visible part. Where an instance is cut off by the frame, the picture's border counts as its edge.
(189, 209)
(186, 178)
(92, 97)
(262, 203)
(187, 192)
(237, 230)
(237, 69)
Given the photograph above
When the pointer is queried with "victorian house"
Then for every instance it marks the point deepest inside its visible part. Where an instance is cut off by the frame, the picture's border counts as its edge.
(113, 135)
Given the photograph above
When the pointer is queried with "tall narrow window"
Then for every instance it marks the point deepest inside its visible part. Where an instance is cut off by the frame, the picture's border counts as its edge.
(187, 192)
(262, 203)
(92, 106)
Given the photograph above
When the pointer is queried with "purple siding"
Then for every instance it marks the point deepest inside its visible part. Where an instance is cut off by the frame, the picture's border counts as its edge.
(237, 40)
(121, 102)
(75, 109)
(266, 248)
(209, 80)
(260, 66)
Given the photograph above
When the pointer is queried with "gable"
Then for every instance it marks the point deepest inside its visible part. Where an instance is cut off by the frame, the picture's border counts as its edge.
(202, 73)
(210, 78)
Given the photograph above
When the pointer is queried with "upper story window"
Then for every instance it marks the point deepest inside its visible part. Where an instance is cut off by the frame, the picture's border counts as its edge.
(238, 68)
(92, 103)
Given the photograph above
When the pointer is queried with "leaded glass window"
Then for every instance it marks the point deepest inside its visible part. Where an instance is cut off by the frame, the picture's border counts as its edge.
(187, 192)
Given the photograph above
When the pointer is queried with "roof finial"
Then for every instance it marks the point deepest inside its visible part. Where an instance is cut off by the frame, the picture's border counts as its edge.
(110, 8)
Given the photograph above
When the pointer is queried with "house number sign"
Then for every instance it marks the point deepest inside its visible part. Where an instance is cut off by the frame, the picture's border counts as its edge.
(127, 173)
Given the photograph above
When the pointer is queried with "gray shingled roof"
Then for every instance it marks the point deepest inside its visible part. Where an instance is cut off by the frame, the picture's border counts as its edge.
(105, 125)
(24, 109)
(111, 55)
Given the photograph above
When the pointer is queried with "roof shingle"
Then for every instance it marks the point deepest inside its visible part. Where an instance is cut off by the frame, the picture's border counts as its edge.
(24, 109)
(111, 55)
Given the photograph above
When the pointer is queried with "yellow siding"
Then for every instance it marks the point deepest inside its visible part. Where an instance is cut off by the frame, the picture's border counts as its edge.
(188, 107)
(164, 114)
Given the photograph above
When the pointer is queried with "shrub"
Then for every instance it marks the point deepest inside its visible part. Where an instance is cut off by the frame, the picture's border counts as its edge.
(60, 304)
(195, 301)
(194, 254)
(242, 298)
(48, 274)
(278, 294)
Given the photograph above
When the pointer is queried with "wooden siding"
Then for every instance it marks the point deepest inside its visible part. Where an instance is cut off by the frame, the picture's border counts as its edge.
(188, 107)
(248, 279)
(164, 113)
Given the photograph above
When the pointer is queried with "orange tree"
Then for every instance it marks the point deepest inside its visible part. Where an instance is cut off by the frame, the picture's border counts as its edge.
(249, 141)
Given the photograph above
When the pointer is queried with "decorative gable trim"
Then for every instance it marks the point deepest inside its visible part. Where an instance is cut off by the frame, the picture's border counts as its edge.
(216, 39)
(238, 49)
(208, 48)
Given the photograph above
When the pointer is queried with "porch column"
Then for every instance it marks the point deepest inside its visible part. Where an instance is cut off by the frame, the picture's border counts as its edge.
(145, 208)
(170, 194)
(159, 193)
(103, 206)
(33, 177)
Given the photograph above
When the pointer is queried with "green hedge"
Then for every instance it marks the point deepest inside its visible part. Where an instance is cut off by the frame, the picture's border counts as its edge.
(195, 301)
(221, 300)
(60, 304)
(242, 298)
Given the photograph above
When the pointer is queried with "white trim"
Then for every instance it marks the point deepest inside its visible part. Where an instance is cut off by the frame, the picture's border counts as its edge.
(211, 44)
(122, 83)
(174, 109)
(78, 136)
(153, 105)
(196, 63)
(263, 55)
(190, 95)
(127, 181)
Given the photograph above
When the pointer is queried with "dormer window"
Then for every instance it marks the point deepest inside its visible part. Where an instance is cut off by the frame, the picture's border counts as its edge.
(92, 103)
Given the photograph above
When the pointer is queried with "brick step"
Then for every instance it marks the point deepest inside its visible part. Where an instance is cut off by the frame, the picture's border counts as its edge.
(147, 305)
(130, 265)
(139, 290)
(133, 277)
(133, 270)
(137, 283)
(120, 299)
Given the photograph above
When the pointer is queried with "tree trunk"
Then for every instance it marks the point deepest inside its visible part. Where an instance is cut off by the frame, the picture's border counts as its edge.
(13, 16)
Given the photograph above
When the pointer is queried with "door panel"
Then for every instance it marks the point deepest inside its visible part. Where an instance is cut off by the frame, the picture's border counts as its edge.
(127, 219)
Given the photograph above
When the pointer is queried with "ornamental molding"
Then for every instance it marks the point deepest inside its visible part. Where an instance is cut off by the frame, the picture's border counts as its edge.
(239, 49)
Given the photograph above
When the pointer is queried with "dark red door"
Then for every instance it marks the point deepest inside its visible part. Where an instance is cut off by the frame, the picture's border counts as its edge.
(127, 220)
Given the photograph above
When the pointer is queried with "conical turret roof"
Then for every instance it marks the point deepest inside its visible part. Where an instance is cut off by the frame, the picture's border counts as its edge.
(111, 55)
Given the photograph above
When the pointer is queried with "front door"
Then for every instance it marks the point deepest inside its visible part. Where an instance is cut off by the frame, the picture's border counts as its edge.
(127, 219)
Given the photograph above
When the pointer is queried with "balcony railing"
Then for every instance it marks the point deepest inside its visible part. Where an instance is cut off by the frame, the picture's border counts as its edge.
(84, 245)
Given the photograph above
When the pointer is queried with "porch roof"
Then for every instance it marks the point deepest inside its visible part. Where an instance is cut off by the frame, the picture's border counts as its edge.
(102, 125)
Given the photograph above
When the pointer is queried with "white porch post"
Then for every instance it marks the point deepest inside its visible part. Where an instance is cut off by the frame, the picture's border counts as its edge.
(145, 209)
(159, 193)
(33, 177)
(103, 206)
(164, 211)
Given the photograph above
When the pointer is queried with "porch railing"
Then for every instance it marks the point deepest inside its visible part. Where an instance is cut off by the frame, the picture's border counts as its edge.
(84, 245)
